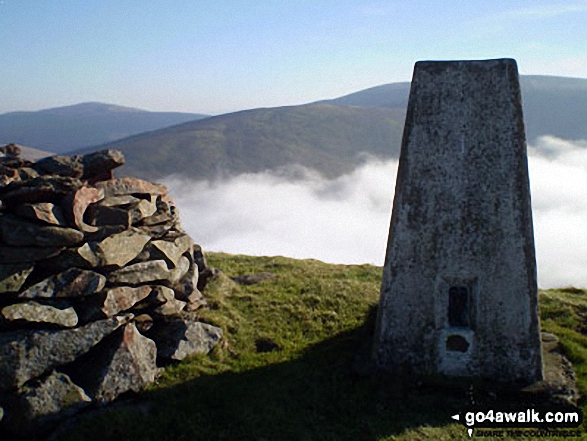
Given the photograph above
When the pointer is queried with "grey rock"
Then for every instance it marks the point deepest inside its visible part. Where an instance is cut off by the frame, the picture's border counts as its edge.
(45, 401)
(142, 272)
(117, 201)
(169, 305)
(98, 166)
(122, 298)
(144, 208)
(28, 354)
(41, 189)
(73, 282)
(177, 273)
(125, 362)
(42, 211)
(177, 337)
(119, 249)
(35, 312)
(126, 186)
(173, 250)
(13, 276)
(70, 166)
(17, 232)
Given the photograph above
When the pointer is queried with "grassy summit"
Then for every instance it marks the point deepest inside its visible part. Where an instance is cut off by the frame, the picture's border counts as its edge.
(291, 337)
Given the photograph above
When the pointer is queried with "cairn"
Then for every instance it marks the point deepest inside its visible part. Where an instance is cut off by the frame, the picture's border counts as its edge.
(99, 286)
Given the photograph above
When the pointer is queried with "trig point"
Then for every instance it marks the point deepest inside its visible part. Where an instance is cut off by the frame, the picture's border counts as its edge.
(459, 291)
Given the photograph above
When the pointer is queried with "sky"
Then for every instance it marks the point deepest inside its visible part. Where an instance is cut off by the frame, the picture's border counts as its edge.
(216, 56)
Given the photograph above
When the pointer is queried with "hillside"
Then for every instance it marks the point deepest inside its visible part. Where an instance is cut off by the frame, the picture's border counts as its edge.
(320, 136)
(67, 128)
(293, 329)
(328, 136)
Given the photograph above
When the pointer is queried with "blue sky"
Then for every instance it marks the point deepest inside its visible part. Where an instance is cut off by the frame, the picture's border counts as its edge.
(214, 56)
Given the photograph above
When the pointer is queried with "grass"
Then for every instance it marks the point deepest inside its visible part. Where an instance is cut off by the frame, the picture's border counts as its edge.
(284, 369)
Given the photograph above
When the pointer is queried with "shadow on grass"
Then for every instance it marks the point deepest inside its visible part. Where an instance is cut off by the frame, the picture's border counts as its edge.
(316, 396)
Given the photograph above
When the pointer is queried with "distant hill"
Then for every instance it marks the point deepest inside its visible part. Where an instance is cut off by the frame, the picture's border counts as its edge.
(320, 136)
(63, 129)
(552, 105)
(328, 136)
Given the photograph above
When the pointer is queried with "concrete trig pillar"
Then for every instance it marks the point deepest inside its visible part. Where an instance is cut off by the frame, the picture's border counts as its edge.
(459, 291)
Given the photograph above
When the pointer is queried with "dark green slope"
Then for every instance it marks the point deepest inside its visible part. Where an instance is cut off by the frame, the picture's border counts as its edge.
(327, 138)
(63, 129)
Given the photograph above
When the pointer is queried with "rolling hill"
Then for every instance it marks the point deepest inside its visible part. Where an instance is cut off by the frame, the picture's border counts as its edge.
(319, 136)
(63, 129)
(328, 136)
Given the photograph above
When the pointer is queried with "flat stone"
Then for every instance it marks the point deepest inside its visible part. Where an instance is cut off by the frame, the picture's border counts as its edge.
(35, 312)
(10, 255)
(119, 249)
(142, 272)
(122, 298)
(177, 273)
(116, 201)
(177, 337)
(41, 189)
(45, 401)
(98, 166)
(13, 276)
(17, 232)
(173, 250)
(99, 215)
(187, 287)
(28, 354)
(127, 362)
(75, 204)
(156, 231)
(70, 166)
(27, 173)
(144, 208)
(73, 282)
(126, 186)
(143, 322)
(169, 304)
(42, 211)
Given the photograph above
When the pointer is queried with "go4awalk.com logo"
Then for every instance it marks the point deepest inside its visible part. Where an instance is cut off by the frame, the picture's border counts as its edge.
(528, 422)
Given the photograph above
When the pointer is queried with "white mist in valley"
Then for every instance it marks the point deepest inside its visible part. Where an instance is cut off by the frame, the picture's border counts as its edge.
(346, 220)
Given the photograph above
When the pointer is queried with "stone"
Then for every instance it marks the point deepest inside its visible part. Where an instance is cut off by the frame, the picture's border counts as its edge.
(173, 250)
(43, 402)
(156, 231)
(143, 209)
(11, 150)
(169, 304)
(27, 173)
(459, 292)
(41, 189)
(13, 276)
(99, 215)
(142, 272)
(17, 232)
(98, 166)
(126, 362)
(9, 255)
(122, 298)
(29, 354)
(69, 166)
(177, 273)
(42, 211)
(119, 249)
(73, 282)
(74, 206)
(129, 186)
(116, 201)
(35, 312)
(177, 337)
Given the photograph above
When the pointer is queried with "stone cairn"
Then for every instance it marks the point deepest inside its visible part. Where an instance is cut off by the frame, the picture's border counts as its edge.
(99, 286)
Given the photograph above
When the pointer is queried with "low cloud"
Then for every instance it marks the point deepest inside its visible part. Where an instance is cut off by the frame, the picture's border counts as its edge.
(346, 220)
